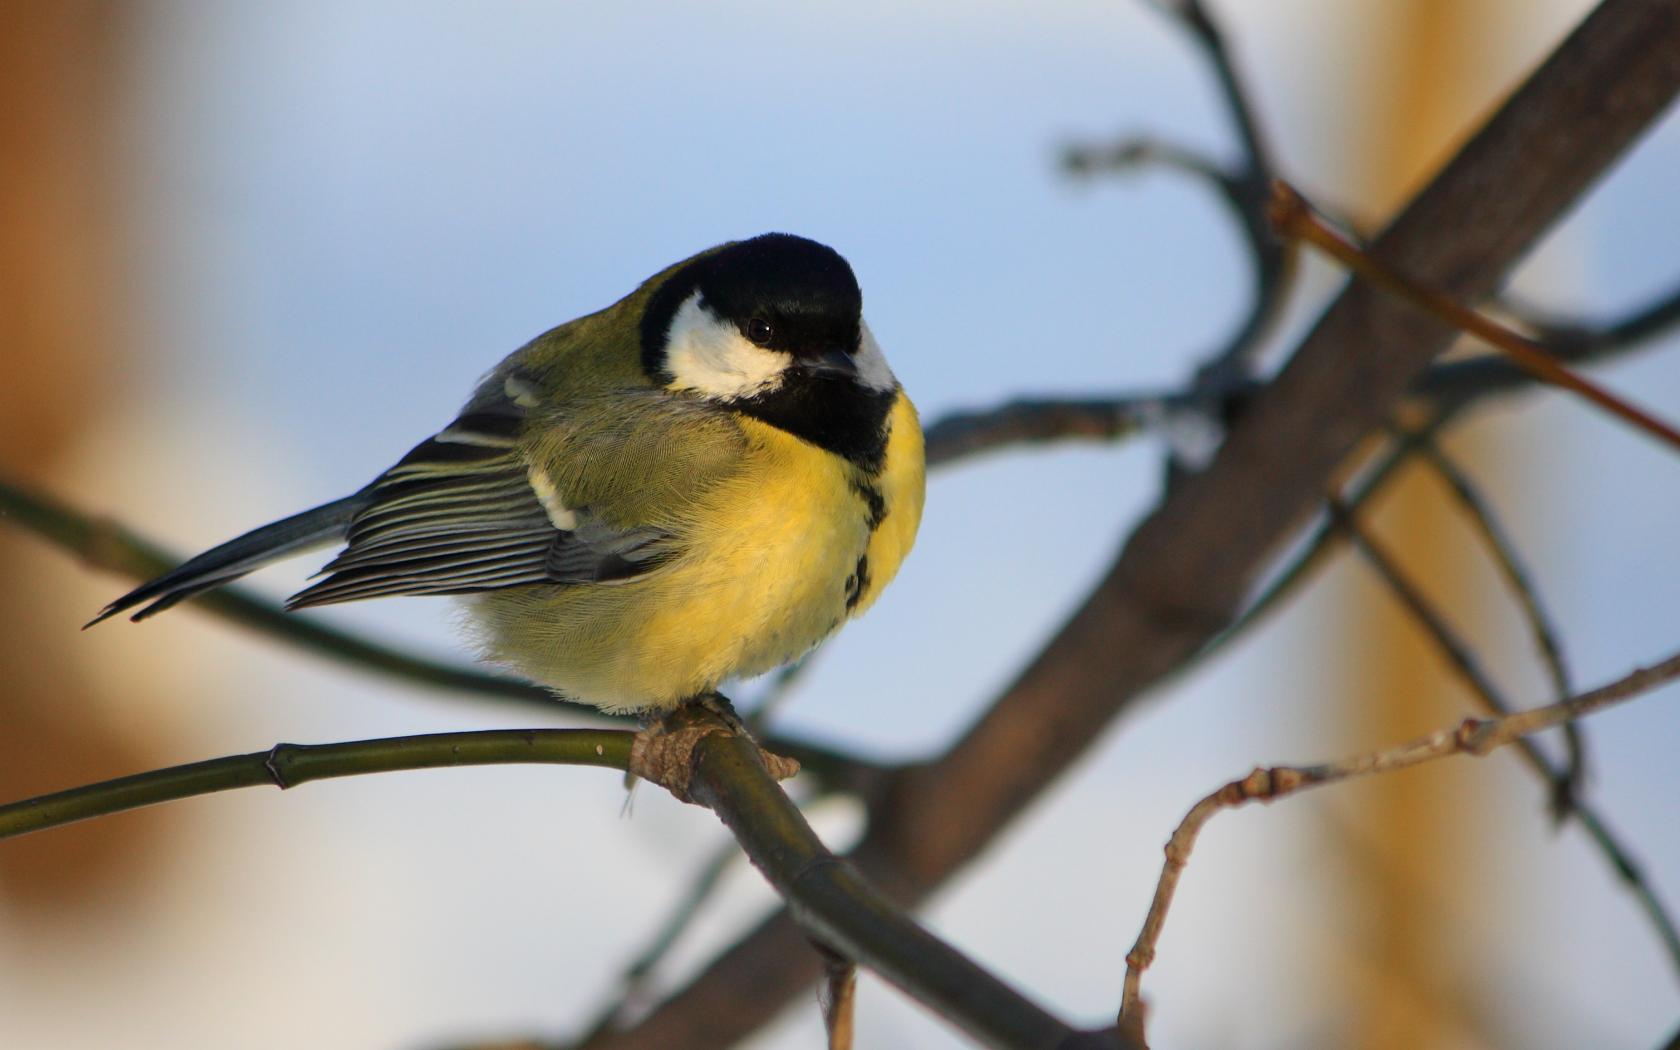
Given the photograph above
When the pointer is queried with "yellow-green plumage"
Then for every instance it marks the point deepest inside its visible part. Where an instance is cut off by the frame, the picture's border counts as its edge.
(771, 528)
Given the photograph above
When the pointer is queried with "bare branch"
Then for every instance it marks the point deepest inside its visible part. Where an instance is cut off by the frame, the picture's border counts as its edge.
(1462, 660)
(1571, 341)
(1546, 640)
(1244, 190)
(1473, 736)
(838, 999)
(964, 434)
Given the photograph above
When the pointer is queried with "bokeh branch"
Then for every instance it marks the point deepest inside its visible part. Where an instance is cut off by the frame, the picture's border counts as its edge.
(1473, 736)
(1461, 659)
(635, 985)
(1542, 629)
(1569, 341)
(1244, 188)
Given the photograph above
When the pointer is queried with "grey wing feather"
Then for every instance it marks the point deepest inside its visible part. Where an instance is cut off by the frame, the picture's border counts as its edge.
(444, 527)
(458, 515)
(218, 565)
(596, 553)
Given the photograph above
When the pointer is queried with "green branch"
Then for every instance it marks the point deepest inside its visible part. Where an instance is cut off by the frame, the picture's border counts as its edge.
(288, 765)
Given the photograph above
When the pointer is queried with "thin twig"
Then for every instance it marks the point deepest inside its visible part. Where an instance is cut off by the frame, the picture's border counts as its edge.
(1472, 736)
(1325, 539)
(1294, 217)
(1146, 151)
(963, 434)
(1517, 578)
(288, 765)
(1274, 257)
(839, 997)
(1201, 25)
(1244, 188)
(1461, 659)
(1569, 340)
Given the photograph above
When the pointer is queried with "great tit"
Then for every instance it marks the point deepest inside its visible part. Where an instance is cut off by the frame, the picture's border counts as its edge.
(702, 481)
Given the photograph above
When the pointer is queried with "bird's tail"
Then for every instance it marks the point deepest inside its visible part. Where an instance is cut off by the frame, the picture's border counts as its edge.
(318, 527)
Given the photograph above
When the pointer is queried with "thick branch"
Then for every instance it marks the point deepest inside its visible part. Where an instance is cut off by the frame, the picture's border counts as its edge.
(1186, 568)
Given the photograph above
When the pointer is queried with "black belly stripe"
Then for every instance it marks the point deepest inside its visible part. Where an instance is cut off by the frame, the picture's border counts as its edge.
(871, 496)
(857, 583)
(876, 504)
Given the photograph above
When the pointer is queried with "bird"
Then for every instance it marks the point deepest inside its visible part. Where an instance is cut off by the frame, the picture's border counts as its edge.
(700, 482)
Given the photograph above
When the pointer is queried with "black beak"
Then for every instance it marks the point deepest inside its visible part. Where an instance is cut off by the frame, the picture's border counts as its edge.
(830, 364)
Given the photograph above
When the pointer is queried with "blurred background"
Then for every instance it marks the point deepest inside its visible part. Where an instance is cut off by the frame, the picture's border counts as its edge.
(253, 252)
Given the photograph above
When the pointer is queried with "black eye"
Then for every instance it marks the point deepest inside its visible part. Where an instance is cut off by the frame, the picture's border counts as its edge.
(760, 331)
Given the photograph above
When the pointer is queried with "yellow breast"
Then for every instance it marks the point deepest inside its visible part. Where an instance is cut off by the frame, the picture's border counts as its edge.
(765, 575)
(775, 557)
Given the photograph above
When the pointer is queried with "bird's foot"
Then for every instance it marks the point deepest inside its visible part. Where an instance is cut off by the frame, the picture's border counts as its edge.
(664, 750)
(720, 705)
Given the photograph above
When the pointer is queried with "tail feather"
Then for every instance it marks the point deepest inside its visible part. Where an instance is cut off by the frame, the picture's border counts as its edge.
(318, 527)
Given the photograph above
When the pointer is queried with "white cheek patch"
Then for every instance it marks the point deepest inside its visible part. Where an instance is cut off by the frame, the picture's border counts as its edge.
(873, 373)
(711, 357)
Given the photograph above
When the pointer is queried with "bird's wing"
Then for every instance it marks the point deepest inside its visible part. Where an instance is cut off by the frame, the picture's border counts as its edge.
(317, 527)
(465, 511)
